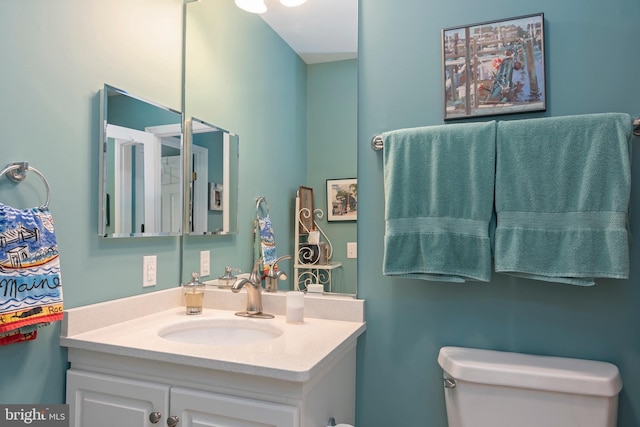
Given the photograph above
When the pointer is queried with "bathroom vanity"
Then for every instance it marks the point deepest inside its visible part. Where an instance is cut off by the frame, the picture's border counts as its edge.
(136, 362)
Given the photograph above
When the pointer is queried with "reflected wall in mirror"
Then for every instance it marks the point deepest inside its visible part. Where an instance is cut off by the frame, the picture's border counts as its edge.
(297, 118)
(140, 167)
(331, 153)
(213, 180)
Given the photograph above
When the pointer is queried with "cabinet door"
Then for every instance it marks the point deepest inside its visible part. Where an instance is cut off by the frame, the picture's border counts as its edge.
(98, 400)
(201, 409)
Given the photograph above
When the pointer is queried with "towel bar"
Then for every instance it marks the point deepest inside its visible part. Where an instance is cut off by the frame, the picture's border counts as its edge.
(377, 142)
(17, 172)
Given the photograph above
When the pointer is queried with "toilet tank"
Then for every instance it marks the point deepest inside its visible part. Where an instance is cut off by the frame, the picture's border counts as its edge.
(485, 388)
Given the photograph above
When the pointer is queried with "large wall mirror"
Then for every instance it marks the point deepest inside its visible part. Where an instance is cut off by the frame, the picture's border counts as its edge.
(297, 115)
(212, 180)
(140, 167)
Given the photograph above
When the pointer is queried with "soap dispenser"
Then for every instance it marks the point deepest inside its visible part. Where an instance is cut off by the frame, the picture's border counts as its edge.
(228, 279)
(194, 294)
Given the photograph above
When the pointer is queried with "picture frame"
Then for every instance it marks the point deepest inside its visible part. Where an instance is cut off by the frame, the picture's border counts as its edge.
(305, 210)
(501, 64)
(342, 199)
(215, 197)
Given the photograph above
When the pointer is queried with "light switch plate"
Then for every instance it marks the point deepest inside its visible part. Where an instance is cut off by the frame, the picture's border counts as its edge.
(205, 268)
(352, 249)
(149, 270)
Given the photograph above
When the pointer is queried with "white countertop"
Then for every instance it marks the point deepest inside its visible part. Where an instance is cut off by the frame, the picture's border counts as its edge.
(130, 327)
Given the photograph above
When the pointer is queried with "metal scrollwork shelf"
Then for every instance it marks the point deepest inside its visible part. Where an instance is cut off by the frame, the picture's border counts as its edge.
(313, 263)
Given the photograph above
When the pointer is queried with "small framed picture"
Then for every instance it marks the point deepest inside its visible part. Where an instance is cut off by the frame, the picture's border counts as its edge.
(215, 196)
(494, 67)
(305, 213)
(342, 199)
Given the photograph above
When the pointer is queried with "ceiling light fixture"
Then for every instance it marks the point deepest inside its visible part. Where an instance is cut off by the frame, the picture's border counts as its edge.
(258, 6)
(253, 6)
(292, 3)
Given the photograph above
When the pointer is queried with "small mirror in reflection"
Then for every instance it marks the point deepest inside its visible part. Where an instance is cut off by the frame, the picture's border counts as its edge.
(213, 181)
(141, 167)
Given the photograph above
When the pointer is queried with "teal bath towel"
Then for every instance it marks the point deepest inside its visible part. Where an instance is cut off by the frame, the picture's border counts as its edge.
(562, 198)
(438, 187)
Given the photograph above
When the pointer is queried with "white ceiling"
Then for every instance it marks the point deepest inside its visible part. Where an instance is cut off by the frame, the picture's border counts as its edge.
(318, 30)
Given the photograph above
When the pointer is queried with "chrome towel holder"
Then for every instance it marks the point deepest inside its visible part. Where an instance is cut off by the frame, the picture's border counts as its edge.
(377, 142)
(17, 172)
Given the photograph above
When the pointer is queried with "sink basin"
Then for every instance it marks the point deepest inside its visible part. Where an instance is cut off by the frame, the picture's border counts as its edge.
(220, 332)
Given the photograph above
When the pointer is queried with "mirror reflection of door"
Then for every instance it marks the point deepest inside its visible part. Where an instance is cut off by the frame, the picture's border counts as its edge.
(170, 176)
(200, 177)
(136, 180)
(171, 182)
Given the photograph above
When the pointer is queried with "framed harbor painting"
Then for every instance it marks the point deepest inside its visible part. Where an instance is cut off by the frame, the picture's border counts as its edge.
(342, 199)
(494, 67)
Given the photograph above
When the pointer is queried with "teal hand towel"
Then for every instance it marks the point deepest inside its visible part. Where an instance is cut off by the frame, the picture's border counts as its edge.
(438, 188)
(562, 198)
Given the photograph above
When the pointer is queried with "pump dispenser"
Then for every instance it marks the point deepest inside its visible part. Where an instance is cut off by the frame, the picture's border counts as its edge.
(194, 294)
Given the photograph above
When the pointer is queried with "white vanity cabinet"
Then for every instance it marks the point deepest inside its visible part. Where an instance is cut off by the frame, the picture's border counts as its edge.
(124, 372)
(105, 390)
(98, 400)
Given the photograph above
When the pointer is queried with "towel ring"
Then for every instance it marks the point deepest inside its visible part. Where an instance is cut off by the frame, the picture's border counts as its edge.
(259, 202)
(17, 172)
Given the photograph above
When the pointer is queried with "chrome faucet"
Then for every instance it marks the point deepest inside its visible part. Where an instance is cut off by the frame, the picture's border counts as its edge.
(272, 277)
(254, 294)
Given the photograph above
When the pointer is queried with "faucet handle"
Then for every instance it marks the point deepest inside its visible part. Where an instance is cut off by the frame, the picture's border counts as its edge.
(273, 275)
(278, 274)
(228, 272)
(228, 279)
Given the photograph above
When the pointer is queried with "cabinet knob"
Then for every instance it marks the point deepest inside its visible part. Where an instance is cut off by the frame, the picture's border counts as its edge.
(173, 421)
(154, 417)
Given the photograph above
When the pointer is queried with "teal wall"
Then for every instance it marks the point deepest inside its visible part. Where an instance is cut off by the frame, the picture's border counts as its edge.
(56, 56)
(332, 126)
(592, 66)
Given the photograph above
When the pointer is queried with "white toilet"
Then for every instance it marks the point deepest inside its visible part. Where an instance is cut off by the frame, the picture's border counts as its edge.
(485, 388)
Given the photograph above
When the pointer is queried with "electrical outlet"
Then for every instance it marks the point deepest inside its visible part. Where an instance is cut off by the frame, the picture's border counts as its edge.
(352, 249)
(149, 270)
(205, 268)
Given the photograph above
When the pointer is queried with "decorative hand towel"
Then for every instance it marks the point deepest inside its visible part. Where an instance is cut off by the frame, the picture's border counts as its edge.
(562, 198)
(28, 333)
(267, 241)
(438, 187)
(30, 287)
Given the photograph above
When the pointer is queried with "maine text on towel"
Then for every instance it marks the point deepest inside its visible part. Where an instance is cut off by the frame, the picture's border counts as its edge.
(12, 288)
